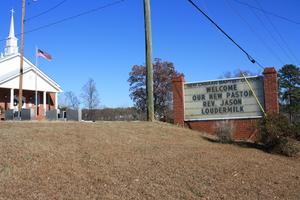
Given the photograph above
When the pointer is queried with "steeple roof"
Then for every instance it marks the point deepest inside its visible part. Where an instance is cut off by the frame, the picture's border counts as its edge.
(11, 47)
(12, 27)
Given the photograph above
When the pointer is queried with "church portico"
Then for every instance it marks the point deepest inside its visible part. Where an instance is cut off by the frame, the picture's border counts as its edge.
(44, 102)
(39, 90)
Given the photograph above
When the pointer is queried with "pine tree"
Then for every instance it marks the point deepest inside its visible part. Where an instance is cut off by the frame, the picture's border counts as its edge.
(289, 87)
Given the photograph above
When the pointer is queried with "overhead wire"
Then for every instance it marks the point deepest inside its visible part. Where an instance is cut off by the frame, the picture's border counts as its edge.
(46, 11)
(71, 17)
(265, 27)
(205, 7)
(254, 32)
(250, 58)
(268, 12)
(280, 35)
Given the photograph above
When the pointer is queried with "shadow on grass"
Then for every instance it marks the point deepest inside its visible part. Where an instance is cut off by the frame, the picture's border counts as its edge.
(244, 144)
(288, 150)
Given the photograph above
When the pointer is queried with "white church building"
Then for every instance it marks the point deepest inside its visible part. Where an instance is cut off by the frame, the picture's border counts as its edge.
(33, 80)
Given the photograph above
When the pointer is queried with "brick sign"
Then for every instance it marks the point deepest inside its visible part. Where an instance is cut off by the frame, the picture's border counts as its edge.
(223, 99)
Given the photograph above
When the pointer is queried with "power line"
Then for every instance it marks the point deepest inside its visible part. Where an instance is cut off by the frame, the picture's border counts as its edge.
(230, 38)
(280, 36)
(71, 17)
(287, 54)
(268, 12)
(271, 34)
(254, 32)
(46, 11)
(204, 6)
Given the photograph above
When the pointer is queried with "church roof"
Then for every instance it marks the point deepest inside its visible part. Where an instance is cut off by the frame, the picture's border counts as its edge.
(9, 70)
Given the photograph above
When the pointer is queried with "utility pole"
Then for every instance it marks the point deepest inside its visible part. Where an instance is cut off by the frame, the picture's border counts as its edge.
(21, 60)
(149, 67)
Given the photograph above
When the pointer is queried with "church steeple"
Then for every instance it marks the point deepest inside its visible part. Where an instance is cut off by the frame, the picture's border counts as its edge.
(11, 42)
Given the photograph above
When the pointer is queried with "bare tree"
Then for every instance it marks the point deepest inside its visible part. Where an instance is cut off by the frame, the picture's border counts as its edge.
(71, 100)
(90, 97)
(237, 73)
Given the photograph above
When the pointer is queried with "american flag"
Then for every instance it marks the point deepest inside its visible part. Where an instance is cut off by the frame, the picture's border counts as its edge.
(43, 54)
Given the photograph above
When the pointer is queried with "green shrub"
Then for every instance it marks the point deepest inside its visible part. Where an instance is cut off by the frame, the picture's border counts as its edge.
(273, 128)
(224, 131)
(276, 133)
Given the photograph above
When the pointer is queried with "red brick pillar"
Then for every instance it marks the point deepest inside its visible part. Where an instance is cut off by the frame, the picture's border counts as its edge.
(271, 90)
(178, 100)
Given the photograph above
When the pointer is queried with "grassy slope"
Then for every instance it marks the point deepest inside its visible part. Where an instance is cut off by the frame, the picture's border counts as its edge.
(137, 160)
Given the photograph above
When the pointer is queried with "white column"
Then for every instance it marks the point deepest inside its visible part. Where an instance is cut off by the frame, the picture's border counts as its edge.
(11, 105)
(44, 102)
(55, 101)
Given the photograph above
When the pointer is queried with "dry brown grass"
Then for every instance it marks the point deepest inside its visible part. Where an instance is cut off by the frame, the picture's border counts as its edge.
(135, 160)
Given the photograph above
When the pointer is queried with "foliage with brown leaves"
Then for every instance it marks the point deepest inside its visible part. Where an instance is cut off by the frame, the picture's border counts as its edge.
(163, 72)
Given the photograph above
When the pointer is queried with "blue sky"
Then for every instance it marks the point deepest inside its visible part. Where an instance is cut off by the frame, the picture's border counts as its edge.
(104, 45)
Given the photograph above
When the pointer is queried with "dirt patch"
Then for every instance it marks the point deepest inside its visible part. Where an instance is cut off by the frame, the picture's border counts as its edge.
(135, 160)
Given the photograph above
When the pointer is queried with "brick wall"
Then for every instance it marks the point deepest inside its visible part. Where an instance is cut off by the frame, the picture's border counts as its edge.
(178, 100)
(4, 102)
(51, 103)
(244, 128)
(4, 98)
(271, 90)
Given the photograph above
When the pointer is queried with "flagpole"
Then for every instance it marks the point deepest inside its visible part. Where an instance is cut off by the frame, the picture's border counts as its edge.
(36, 96)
